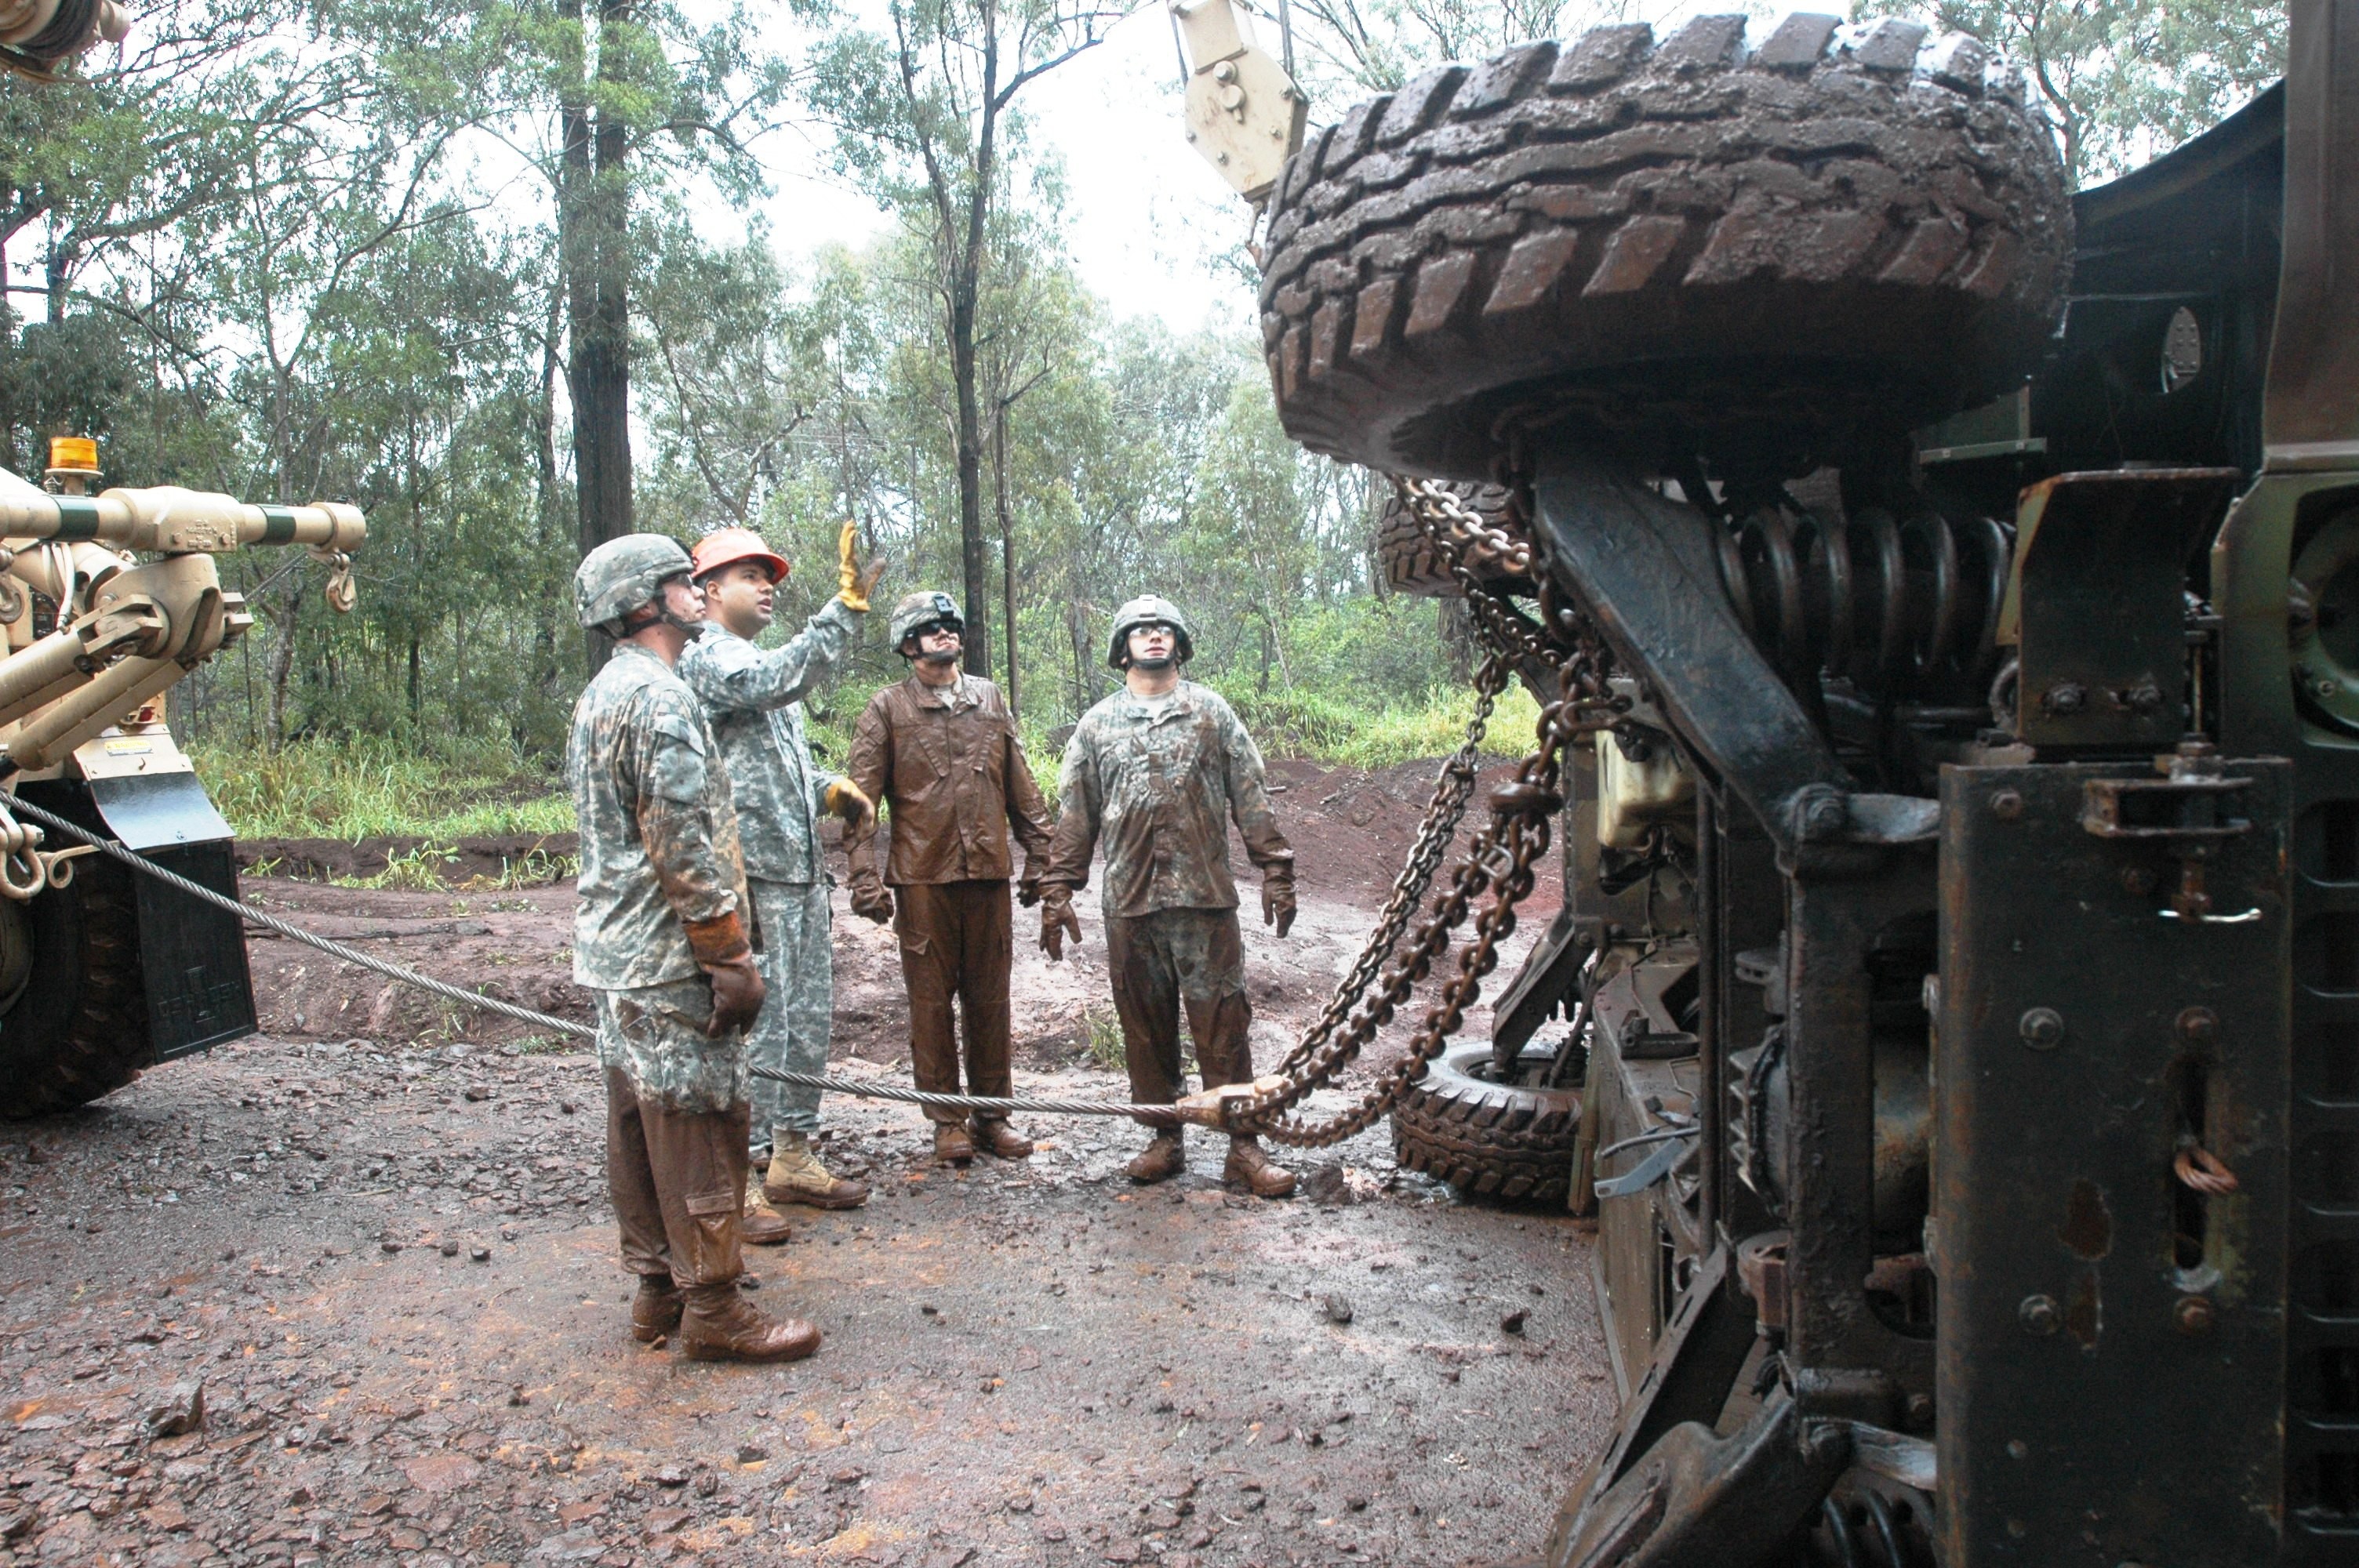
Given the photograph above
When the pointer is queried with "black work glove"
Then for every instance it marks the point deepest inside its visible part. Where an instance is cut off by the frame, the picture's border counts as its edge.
(1277, 901)
(870, 899)
(1058, 919)
(737, 993)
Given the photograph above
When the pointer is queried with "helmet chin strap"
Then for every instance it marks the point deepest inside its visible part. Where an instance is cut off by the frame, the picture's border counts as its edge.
(691, 630)
(1151, 665)
(936, 656)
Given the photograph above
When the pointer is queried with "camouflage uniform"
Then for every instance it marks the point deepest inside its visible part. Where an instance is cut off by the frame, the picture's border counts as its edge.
(659, 849)
(753, 699)
(1156, 780)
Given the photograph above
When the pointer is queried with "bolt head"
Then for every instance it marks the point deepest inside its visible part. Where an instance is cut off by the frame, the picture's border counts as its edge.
(1824, 1443)
(2039, 1314)
(2193, 1314)
(2042, 1028)
(2198, 1025)
(2138, 880)
(2007, 804)
(2067, 697)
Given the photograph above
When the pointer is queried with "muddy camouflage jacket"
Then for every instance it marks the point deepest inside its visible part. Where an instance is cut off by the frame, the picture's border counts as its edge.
(658, 833)
(753, 699)
(1156, 778)
(954, 778)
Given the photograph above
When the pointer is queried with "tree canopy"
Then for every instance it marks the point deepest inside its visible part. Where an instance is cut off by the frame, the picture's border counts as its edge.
(409, 257)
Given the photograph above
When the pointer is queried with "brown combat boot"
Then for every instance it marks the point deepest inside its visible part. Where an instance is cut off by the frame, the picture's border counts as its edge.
(1001, 1142)
(762, 1227)
(1248, 1164)
(1161, 1159)
(796, 1175)
(722, 1325)
(654, 1311)
(952, 1145)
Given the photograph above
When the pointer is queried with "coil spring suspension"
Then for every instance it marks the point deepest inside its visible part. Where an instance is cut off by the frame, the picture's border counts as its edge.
(1868, 1534)
(1900, 607)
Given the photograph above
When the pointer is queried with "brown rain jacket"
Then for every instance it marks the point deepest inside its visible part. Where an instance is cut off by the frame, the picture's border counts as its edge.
(955, 781)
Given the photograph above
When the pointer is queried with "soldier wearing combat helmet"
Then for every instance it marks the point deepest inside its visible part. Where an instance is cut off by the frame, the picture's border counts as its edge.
(753, 698)
(660, 941)
(1154, 774)
(939, 751)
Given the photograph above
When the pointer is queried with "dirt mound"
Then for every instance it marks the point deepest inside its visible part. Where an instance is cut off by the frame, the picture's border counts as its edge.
(522, 857)
(477, 922)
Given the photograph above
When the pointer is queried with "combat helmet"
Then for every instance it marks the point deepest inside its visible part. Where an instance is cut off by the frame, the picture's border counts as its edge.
(1148, 610)
(916, 612)
(623, 573)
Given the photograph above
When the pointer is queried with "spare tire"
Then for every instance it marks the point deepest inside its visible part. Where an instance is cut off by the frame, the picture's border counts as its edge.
(1413, 564)
(1808, 247)
(1486, 1137)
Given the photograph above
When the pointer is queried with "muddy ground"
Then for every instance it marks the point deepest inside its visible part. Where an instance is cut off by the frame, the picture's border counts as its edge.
(375, 1240)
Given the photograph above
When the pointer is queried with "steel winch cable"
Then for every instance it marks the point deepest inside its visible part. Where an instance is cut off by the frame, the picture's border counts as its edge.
(1152, 1115)
(1260, 1107)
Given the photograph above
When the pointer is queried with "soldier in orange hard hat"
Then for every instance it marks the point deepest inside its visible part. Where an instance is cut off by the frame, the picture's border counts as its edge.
(753, 697)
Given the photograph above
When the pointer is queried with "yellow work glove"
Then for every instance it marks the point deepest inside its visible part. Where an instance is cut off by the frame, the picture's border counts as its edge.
(845, 799)
(855, 582)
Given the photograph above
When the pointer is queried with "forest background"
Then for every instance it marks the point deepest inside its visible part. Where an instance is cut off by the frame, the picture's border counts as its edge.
(457, 264)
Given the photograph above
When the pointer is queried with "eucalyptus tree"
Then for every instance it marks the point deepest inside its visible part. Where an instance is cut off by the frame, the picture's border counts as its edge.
(926, 115)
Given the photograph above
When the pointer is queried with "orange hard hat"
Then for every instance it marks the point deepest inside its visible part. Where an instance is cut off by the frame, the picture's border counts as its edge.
(724, 545)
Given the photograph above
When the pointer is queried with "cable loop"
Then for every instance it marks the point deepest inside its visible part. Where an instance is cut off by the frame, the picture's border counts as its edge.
(2201, 1170)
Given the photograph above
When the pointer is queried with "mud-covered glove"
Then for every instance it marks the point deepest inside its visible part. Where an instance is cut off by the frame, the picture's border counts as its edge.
(727, 959)
(855, 582)
(850, 802)
(1027, 889)
(869, 899)
(1058, 919)
(1278, 899)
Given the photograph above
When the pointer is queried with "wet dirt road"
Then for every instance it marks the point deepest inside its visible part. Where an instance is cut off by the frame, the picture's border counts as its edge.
(388, 1268)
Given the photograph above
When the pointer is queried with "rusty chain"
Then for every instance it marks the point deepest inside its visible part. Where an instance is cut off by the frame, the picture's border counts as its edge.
(1497, 864)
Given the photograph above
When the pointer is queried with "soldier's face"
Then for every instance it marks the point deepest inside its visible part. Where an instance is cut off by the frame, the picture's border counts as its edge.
(742, 597)
(939, 643)
(683, 598)
(1151, 647)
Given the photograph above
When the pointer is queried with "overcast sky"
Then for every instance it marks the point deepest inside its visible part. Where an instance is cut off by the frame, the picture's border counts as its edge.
(1147, 213)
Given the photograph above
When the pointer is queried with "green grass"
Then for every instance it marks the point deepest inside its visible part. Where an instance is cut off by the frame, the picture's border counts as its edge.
(368, 788)
(1340, 733)
(371, 788)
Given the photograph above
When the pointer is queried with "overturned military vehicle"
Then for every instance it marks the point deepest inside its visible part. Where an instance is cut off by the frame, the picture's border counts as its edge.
(1945, 591)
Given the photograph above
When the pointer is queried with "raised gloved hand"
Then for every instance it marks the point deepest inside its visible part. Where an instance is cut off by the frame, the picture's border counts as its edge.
(851, 803)
(869, 899)
(1058, 919)
(855, 582)
(721, 951)
(1277, 901)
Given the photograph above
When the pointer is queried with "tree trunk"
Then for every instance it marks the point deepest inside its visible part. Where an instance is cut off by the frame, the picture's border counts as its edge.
(1006, 540)
(545, 502)
(594, 239)
(284, 613)
(969, 437)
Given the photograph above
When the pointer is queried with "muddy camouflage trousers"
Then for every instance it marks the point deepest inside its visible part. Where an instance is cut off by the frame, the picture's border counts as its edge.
(957, 945)
(797, 1017)
(1167, 962)
(678, 1181)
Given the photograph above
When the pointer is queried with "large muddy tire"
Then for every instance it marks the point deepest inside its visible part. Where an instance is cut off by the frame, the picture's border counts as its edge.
(73, 1009)
(1483, 1138)
(1765, 253)
(1413, 565)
